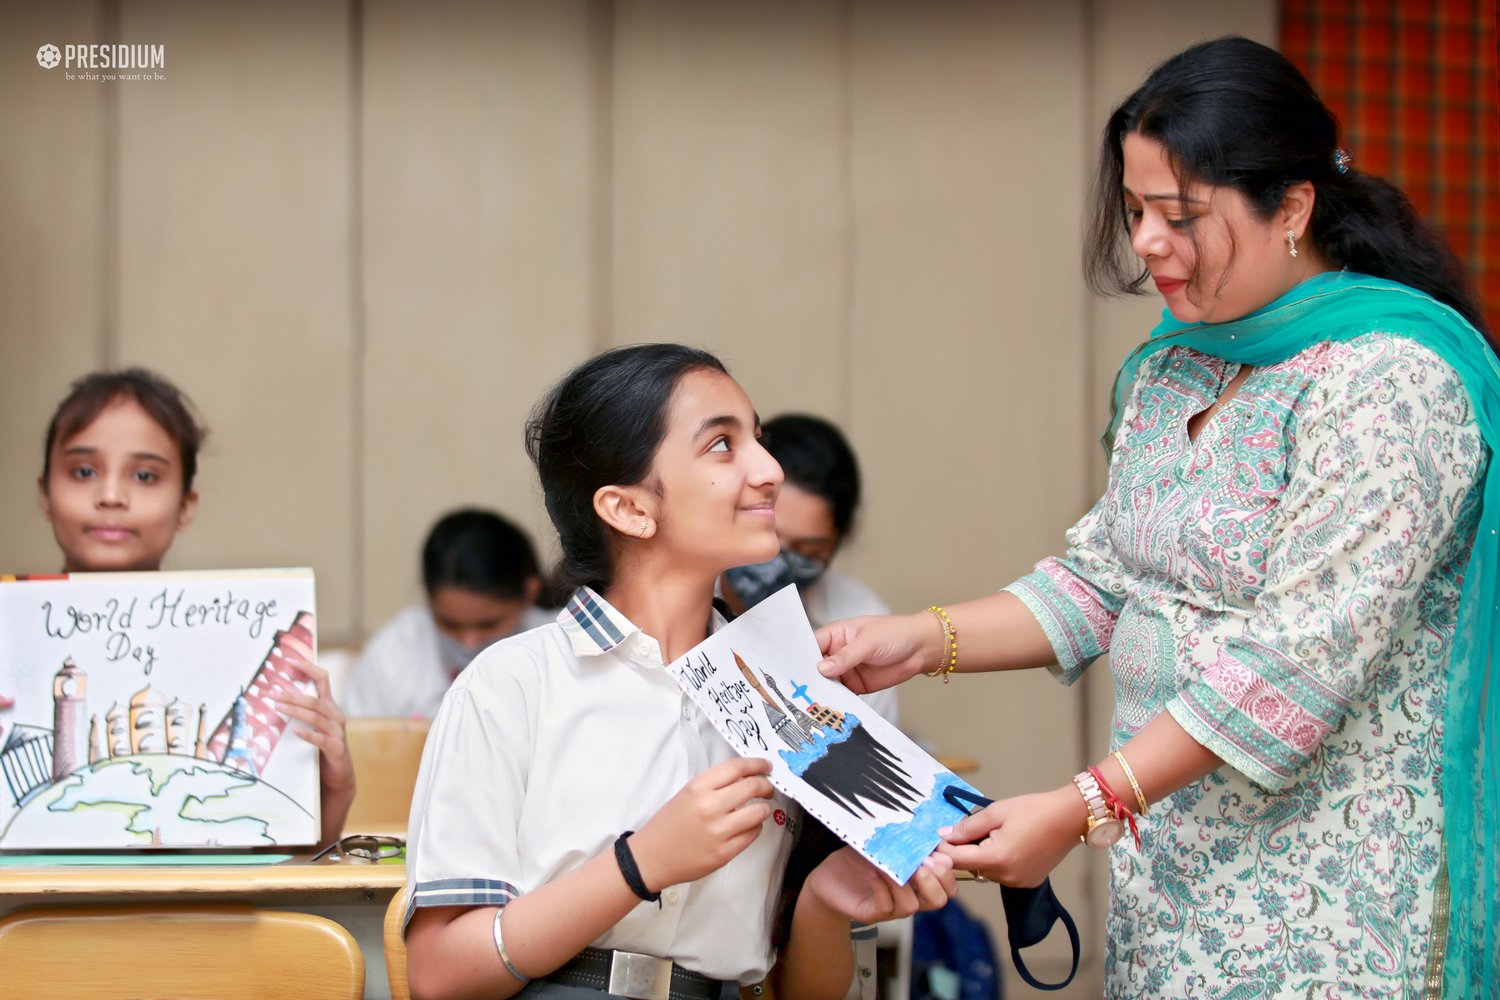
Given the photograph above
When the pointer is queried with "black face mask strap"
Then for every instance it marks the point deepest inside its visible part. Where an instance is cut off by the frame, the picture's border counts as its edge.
(1029, 913)
(1029, 916)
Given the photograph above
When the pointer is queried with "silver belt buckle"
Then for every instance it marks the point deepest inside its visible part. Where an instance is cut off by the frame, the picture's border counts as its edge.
(641, 977)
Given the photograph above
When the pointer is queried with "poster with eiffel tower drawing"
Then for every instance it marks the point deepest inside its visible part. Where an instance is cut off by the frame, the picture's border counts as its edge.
(144, 710)
(864, 779)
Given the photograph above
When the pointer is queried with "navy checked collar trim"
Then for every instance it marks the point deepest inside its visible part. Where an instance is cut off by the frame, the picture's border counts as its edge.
(592, 624)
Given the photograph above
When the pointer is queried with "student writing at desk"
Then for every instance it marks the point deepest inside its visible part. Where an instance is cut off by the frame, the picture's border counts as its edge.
(117, 486)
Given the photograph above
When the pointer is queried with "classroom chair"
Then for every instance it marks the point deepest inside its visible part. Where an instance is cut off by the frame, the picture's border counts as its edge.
(395, 947)
(386, 755)
(186, 951)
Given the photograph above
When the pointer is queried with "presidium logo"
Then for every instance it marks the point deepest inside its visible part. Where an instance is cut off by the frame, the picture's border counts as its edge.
(113, 62)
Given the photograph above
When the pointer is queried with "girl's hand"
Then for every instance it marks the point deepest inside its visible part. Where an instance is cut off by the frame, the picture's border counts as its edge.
(322, 725)
(848, 884)
(874, 653)
(705, 825)
(1018, 841)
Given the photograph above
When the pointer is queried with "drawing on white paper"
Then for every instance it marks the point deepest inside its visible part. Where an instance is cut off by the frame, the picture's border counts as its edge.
(163, 728)
(862, 777)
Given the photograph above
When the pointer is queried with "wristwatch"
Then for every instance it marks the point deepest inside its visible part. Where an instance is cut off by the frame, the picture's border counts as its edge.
(1104, 828)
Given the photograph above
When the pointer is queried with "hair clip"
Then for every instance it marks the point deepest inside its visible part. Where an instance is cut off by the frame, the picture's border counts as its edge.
(1341, 160)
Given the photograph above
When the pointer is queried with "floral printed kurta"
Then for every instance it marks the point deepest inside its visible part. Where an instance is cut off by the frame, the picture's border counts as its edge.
(1284, 585)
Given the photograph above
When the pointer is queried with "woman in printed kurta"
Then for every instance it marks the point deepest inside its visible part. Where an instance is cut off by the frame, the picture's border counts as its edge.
(1285, 586)
(1292, 570)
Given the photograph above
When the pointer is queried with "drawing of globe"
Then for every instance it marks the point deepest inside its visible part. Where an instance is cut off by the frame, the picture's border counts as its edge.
(157, 800)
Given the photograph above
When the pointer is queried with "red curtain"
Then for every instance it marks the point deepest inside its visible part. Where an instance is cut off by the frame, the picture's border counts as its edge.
(1415, 88)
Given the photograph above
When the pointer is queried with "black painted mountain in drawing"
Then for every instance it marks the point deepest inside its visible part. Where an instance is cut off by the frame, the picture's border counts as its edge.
(859, 769)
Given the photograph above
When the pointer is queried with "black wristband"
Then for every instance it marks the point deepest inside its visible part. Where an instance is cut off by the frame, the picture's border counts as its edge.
(632, 874)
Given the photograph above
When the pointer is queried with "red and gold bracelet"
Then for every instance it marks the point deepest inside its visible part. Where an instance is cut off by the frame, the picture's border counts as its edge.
(1117, 805)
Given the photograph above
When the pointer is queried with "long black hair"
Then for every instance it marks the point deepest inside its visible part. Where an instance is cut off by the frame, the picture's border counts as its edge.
(601, 426)
(1234, 113)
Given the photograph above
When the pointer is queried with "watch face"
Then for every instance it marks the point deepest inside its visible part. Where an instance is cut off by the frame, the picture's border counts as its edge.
(1104, 833)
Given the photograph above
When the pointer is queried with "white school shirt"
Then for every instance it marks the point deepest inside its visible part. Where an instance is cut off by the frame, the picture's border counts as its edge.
(835, 596)
(549, 746)
(400, 672)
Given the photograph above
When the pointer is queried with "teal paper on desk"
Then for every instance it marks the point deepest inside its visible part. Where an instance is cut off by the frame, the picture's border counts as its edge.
(137, 860)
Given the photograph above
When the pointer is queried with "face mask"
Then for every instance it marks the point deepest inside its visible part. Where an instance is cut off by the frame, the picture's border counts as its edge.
(455, 655)
(1029, 913)
(753, 584)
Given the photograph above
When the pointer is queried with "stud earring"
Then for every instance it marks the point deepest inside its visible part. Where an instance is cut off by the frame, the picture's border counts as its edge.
(1291, 241)
(644, 526)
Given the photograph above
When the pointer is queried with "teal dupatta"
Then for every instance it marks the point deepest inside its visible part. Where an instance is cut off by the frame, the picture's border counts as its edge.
(1339, 306)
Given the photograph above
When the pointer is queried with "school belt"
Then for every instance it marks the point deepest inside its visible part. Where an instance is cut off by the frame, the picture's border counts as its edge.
(640, 977)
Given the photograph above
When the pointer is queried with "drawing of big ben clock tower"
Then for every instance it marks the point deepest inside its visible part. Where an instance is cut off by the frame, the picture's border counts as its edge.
(70, 729)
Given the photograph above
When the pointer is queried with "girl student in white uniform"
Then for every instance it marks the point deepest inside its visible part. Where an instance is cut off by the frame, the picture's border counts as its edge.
(118, 467)
(576, 815)
(482, 581)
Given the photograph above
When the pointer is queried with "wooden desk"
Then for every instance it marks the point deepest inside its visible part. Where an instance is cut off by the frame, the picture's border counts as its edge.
(286, 884)
(355, 895)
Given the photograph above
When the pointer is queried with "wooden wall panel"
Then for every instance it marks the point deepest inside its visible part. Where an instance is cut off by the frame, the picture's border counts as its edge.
(728, 190)
(55, 248)
(234, 271)
(480, 221)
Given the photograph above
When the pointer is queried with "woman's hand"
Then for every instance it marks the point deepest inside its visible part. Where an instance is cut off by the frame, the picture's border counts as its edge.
(848, 884)
(322, 725)
(874, 653)
(705, 825)
(1018, 841)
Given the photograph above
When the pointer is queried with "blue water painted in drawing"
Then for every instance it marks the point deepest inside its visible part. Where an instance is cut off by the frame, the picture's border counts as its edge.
(800, 760)
(900, 847)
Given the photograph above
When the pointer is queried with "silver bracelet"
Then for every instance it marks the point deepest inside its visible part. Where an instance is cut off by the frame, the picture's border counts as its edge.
(504, 958)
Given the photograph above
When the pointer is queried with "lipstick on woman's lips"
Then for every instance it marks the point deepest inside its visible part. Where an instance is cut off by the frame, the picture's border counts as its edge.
(1168, 285)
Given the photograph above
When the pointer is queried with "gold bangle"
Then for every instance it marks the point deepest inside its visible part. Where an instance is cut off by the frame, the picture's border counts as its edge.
(949, 660)
(946, 625)
(1130, 777)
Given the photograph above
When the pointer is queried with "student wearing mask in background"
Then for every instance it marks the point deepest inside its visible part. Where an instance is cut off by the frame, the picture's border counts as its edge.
(482, 581)
(814, 515)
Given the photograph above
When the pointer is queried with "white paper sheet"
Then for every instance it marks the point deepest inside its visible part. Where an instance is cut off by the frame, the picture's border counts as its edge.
(143, 713)
(864, 779)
